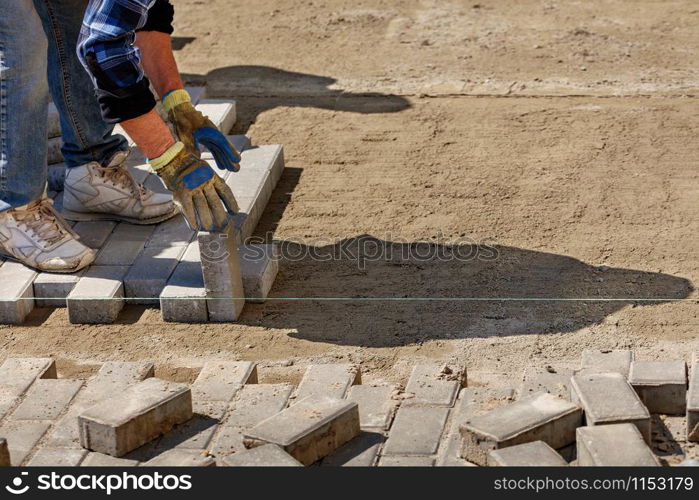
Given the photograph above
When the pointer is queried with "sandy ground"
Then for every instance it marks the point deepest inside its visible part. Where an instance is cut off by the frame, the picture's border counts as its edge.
(526, 154)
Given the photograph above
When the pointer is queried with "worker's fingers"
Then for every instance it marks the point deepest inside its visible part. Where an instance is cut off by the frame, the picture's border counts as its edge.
(216, 206)
(227, 196)
(203, 213)
(187, 208)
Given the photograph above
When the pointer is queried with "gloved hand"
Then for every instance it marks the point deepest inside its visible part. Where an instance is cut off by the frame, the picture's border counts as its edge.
(199, 192)
(195, 130)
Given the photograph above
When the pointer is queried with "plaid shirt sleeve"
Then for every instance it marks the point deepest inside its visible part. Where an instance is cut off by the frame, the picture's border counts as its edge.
(107, 51)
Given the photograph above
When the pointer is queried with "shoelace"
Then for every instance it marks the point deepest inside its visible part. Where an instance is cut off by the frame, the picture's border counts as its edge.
(120, 176)
(41, 219)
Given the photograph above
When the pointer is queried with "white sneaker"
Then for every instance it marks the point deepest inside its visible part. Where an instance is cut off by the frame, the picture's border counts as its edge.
(37, 236)
(94, 192)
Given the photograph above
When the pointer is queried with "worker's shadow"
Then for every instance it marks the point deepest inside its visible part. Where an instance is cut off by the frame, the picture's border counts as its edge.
(260, 88)
(371, 292)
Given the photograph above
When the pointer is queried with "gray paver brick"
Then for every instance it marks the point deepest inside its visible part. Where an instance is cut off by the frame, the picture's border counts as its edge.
(172, 232)
(268, 455)
(113, 378)
(608, 398)
(376, 405)
(259, 266)
(257, 402)
(534, 454)
(184, 298)
(47, 399)
(52, 289)
(407, 461)
(449, 454)
(693, 404)
(57, 457)
(124, 245)
(359, 452)
(332, 380)
(17, 293)
(432, 386)
(227, 441)
(539, 417)
(99, 295)
(94, 233)
(309, 430)
(181, 458)
(21, 438)
(416, 431)
(149, 274)
(607, 361)
(221, 380)
(196, 433)
(613, 445)
(134, 417)
(661, 385)
(94, 459)
(223, 280)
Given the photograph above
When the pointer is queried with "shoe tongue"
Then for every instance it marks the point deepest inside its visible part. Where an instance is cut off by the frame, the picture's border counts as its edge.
(118, 158)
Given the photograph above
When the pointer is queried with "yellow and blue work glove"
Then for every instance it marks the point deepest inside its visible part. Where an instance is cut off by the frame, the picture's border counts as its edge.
(197, 190)
(196, 130)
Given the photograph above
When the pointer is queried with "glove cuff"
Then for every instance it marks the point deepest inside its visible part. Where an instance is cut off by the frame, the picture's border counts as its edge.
(165, 158)
(175, 98)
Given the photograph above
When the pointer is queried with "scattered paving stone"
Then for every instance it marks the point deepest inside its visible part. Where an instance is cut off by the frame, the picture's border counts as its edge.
(220, 381)
(309, 430)
(4, 453)
(196, 433)
(332, 380)
(257, 402)
(407, 461)
(268, 455)
(534, 454)
(181, 458)
(661, 385)
(17, 375)
(47, 399)
(539, 417)
(102, 460)
(416, 430)
(227, 441)
(607, 361)
(608, 398)
(433, 386)
(134, 417)
(22, 437)
(613, 445)
(376, 405)
(57, 457)
(359, 452)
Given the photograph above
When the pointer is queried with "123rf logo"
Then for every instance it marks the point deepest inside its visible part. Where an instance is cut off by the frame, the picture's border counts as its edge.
(107, 483)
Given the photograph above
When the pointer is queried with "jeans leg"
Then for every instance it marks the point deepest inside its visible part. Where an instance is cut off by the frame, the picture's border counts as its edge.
(86, 137)
(23, 104)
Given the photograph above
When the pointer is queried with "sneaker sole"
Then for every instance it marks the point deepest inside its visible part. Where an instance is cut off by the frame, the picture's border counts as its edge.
(80, 267)
(95, 216)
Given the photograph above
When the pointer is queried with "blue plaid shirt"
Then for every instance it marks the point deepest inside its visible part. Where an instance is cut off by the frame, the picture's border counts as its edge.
(107, 51)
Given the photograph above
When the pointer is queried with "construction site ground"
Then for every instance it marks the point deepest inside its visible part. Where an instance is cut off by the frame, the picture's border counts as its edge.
(559, 138)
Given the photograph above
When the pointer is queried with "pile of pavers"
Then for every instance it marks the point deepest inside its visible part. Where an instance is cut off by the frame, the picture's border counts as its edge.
(192, 277)
(124, 416)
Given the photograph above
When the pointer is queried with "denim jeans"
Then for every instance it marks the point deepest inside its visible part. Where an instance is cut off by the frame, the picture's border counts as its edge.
(38, 42)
